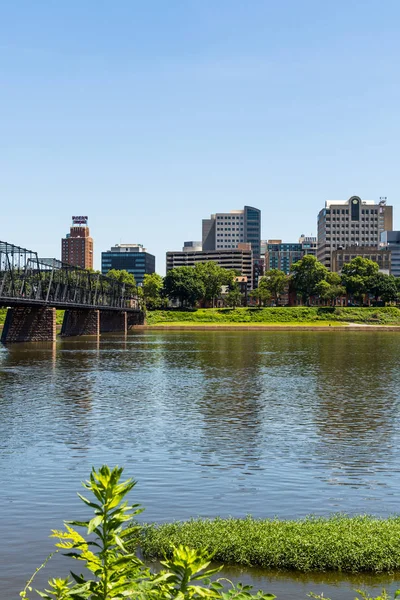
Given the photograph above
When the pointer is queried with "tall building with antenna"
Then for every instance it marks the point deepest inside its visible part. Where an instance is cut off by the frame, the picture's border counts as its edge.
(352, 222)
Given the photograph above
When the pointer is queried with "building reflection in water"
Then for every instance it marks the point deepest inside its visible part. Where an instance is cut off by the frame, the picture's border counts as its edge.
(78, 362)
(356, 408)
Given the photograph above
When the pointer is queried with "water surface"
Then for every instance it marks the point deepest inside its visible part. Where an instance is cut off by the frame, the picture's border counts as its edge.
(284, 423)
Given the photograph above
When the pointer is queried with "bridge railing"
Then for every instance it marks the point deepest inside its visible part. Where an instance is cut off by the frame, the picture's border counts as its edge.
(26, 277)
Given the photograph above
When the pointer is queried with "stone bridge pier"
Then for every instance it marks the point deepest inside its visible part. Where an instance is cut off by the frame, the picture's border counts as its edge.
(38, 323)
(29, 324)
(119, 321)
(135, 318)
(113, 321)
(94, 322)
(79, 321)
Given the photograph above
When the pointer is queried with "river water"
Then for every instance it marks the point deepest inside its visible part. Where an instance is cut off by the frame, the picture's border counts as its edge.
(268, 423)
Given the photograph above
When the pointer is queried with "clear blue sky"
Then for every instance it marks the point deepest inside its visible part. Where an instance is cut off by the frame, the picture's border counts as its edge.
(148, 116)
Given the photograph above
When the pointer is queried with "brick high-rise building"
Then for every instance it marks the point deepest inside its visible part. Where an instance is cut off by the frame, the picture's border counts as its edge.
(77, 246)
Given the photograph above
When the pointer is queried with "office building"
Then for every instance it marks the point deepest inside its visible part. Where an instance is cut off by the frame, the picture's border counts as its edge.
(345, 223)
(344, 255)
(390, 240)
(281, 256)
(239, 259)
(77, 246)
(129, 257)
(308, 244)
(226, 230)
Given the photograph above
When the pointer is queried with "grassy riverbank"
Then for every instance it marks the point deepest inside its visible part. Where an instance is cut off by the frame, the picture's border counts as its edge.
(299, 315)
(339, 543)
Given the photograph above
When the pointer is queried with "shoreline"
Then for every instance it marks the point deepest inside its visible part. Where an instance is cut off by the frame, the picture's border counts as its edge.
(261, 327)
(269, 327)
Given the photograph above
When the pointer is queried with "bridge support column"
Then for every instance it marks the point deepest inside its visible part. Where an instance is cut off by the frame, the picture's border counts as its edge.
(113, 321)
(80, 322)
(135, 318)
(29, 324)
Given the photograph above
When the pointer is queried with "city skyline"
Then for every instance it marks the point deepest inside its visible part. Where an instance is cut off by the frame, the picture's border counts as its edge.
(368, 222)
(160, 265)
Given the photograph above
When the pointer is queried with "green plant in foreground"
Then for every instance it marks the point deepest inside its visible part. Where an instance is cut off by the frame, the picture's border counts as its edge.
(112, 571)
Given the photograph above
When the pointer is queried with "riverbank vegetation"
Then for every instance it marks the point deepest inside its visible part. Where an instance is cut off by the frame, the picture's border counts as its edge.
(106, 545)
(389, 315)
(339, 543)
(108, 570)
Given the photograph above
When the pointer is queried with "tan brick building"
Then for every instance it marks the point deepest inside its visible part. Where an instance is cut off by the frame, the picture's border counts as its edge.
(345, 255)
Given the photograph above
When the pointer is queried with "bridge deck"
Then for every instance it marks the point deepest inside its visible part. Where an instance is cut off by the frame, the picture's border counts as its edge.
(13, 302)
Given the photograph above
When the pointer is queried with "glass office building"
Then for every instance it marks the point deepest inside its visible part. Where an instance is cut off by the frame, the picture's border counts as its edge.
(129, 257)
(390, 240)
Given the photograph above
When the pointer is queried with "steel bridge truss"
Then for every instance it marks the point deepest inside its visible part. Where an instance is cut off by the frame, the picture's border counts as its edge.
(27, 279)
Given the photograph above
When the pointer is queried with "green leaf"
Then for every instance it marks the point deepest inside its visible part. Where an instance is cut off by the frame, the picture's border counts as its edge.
(95, 522)
(89, 503)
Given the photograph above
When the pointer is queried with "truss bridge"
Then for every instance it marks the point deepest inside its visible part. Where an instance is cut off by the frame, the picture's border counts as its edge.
(33, 288)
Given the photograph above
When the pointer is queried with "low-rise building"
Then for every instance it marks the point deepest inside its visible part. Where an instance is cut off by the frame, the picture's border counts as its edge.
(239, 259)
(129, 257)
(341, 256)
(192, 247)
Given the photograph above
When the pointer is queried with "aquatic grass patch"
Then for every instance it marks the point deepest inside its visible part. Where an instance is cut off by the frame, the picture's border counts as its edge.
(338, 543)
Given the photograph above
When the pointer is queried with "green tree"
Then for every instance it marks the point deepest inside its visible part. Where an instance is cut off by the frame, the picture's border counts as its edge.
(330, 292)
(122, 277)
(152, 289)
(276, 282)
(262, 295)
(184, 284)
(234, 297)
(306, 274)
(356, 276)
(383, 286)
(213, 278)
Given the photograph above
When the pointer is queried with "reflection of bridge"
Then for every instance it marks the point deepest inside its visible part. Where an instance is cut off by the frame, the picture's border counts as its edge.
(33, 288)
